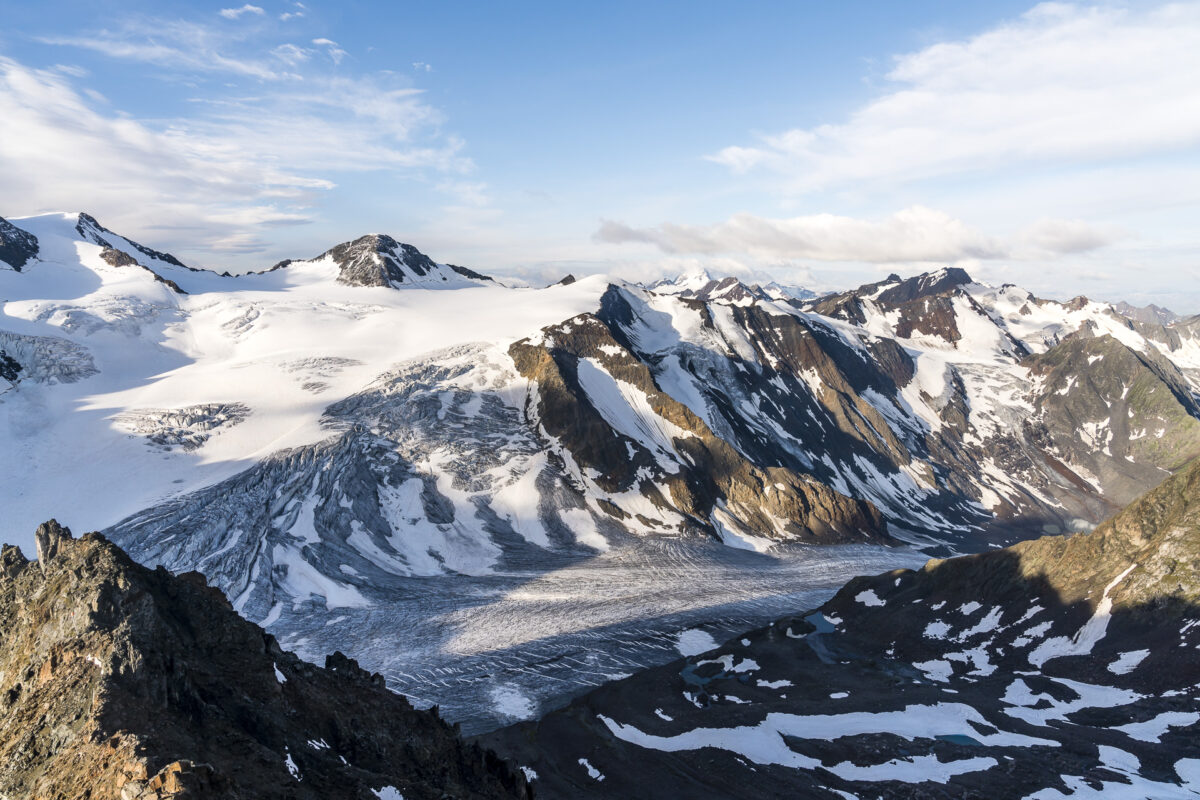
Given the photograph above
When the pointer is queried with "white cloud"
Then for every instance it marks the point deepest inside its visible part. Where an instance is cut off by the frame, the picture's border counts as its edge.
(291, 54)
(176, 45)
(72, 70)
(1065, 236)
(336, 53)
(1063, 84)
(421, 66)
(915, 234)
(234, 13)
(466, 193)
(239, 164)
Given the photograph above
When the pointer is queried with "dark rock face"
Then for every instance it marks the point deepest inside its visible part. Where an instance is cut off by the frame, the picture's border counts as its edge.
(470, 273)
(94, 232)
(118, 258)
(10, 368)
(1064, 664)
(376, 260)
(729, 289)
(16, 246)
(797, 394)
(795, 391)
(923, 304)
(1122, 416)
(121, 682)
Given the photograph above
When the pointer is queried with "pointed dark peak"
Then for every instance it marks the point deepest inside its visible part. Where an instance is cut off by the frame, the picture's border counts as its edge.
(16, 246)
(368, 261)
(727, 288)
(1076, 303)
(567, 280)
(924, 302)
(930, 284)
(378, 260)
(91, 230)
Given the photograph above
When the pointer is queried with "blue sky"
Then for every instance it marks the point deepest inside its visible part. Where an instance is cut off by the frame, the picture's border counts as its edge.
(1053, 146)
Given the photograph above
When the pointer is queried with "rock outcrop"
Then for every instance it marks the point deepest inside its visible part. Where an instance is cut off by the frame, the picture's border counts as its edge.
(119, 258)
(117, 681)
(17, 247)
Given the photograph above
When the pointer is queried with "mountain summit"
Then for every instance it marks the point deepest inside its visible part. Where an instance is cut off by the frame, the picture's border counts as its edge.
(379, 260)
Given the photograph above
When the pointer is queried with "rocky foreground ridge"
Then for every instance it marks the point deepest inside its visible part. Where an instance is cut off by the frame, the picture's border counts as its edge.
(117, 681)
(1059, 667)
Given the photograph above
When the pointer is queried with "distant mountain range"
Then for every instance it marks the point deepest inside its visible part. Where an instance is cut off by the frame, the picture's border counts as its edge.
(907, 409)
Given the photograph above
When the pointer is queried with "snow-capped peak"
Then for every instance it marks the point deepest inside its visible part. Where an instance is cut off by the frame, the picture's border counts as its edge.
(701, 284)
(379, 260)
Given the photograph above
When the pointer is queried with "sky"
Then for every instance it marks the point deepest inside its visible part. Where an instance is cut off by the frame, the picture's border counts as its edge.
(1055, 146)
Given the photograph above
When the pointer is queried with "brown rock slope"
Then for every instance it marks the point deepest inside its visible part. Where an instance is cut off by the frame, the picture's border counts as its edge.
(117, 681)
(706, 482)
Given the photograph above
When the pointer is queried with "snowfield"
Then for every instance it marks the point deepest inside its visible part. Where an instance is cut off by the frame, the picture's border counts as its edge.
(284, 345)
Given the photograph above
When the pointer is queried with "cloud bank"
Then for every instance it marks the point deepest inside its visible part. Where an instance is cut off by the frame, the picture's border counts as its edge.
(915, 234)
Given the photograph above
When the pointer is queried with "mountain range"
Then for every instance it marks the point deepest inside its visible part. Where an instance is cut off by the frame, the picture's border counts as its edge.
(324, 437)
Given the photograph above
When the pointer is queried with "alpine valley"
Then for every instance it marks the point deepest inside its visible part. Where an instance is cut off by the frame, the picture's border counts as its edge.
(501, 497)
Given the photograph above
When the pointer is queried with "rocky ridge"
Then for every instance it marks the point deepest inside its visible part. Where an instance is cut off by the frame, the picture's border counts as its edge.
(587, 386)
(117, 681)
(1062, 666)
(1150, 314)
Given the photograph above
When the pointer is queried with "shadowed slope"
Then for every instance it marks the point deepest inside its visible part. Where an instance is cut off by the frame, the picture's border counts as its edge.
(121, 682)
(1063, 666)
